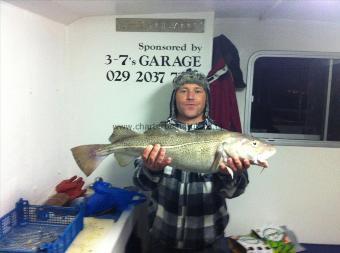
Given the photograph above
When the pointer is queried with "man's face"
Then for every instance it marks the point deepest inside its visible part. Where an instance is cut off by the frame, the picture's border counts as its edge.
(190, 102)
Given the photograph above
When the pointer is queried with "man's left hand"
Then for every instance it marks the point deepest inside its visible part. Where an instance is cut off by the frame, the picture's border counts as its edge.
(238, 164)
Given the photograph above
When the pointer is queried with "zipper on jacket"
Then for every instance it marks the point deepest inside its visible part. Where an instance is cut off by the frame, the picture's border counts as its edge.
(184, 207)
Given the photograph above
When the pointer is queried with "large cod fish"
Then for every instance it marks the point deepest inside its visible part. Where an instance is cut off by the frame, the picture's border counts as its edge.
(198, 150)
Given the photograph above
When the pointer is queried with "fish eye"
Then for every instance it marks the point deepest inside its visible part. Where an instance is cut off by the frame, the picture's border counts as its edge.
(254, 143)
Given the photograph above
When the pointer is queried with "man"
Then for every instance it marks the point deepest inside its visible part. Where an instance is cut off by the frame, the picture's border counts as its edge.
(188, 210)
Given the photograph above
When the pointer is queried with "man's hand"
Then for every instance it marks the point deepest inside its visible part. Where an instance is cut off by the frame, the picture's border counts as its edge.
(238, 164)
(154, 158)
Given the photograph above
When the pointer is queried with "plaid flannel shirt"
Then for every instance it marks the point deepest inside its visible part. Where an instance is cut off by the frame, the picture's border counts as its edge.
(187, 210)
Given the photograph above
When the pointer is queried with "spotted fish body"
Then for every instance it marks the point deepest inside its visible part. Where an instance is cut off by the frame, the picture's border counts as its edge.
(198, 151)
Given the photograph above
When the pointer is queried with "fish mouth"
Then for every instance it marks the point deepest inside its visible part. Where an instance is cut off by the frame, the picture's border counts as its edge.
(262, 158)
(263, 163)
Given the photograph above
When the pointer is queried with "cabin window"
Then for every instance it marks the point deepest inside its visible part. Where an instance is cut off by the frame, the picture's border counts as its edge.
(294, 98)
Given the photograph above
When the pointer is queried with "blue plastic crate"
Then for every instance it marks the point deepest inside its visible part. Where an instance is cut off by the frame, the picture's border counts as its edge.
(33, 228)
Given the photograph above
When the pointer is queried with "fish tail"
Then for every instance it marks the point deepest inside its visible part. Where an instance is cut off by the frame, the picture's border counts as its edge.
(88, 157)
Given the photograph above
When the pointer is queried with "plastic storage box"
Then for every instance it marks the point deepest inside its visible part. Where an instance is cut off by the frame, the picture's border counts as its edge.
(32, 228)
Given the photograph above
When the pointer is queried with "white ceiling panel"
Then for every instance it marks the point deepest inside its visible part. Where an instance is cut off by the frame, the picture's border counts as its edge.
(67, 11)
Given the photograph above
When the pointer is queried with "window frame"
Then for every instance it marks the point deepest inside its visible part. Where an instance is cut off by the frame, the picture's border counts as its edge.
(279, 139)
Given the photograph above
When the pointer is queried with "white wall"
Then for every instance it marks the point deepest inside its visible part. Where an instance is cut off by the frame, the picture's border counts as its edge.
(31, 104)
(301, 187)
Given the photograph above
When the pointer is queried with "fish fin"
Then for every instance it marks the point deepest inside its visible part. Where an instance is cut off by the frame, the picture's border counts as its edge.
(164, 128)
(231, 172)
(155, 131)
(218, 159)
(171, 128)
(120, 132)
(123, 160)
(86, 157)
(221, 155)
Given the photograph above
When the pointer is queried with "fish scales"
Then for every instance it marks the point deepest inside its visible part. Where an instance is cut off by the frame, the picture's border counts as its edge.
(194, 151)
(191, 151)
(199, 150)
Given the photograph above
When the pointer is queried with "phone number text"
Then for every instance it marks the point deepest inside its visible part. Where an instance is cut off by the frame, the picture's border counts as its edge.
(139, 76)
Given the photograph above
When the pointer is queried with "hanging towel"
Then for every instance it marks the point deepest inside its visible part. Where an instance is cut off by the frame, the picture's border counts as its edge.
(224, 109)
(224, 49)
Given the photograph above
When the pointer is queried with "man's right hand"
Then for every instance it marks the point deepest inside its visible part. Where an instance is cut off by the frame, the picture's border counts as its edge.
(154, 158)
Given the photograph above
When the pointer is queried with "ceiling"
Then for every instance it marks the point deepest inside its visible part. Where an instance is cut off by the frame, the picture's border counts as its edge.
(68, 11)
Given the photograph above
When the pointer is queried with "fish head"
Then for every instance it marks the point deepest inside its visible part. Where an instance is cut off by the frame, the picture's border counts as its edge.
(250, 148)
